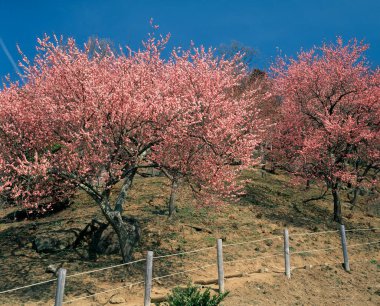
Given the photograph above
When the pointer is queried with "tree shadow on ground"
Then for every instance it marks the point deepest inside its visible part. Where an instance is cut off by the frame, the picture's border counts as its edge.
(284, 205)
(33, 214)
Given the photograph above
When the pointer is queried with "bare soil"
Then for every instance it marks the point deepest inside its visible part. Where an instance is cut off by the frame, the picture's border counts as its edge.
(272, 203)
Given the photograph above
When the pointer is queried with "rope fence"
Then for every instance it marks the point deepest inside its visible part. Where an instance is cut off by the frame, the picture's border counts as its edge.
(184, 272)
(333, 264)
(252, 241)
(106, 268)
(363, 229)
(184, 253)
(102, 292)
(29, 286)
(253, 258)
(219, 263)
(335, 248)
(315, 233)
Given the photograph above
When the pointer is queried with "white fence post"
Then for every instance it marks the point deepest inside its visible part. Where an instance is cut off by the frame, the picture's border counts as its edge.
(286, 253)
(60, 287)
(344, 248)
(219, 249)
(148, 278)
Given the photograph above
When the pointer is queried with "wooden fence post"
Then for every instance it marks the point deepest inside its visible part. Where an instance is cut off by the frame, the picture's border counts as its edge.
(60, 287)
(286, 253)
(148, 278)
(219, 248)
(344, 248)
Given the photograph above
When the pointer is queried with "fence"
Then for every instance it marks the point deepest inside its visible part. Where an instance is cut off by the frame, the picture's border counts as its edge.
(219, 263)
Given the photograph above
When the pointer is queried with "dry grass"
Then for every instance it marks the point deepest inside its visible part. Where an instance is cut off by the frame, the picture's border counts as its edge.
(271, 204)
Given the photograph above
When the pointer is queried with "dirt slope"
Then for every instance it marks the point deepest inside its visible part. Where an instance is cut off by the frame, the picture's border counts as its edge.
(271, 203)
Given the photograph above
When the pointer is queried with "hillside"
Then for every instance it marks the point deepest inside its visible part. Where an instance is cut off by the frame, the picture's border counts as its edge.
(272, 203)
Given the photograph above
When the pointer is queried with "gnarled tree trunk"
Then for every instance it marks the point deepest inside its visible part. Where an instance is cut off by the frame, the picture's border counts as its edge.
(128, 234)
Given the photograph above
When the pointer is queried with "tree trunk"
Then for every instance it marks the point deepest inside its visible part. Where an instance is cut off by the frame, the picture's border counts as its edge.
(355, 198)
(124, 190)
(272, 168)
(307, 184)
(262, 153)
(337, 205)
(172, 199)
(263, 171)
(128, 234)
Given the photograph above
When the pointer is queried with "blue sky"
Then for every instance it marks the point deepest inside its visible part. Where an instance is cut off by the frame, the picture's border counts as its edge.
(267, 26)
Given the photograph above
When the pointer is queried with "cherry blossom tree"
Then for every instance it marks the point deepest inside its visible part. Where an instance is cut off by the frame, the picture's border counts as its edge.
(329, 128)
(268, 106)
(90, 122)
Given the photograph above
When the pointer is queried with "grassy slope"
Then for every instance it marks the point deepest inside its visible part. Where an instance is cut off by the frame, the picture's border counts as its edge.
(271, 203)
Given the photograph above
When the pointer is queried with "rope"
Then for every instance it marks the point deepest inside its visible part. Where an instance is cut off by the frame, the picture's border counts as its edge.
(28, 286)
(314, 250)
(253, 258)
(106, 291)
(335, 231)
(301, 234)
(251, 241)
(106, 268)
(155, 278)
(182, 272)
(72, 275)
(314, 233)
(363, 229)
(182, 253)
(327, 249)
(355, 245)
(333, 264)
